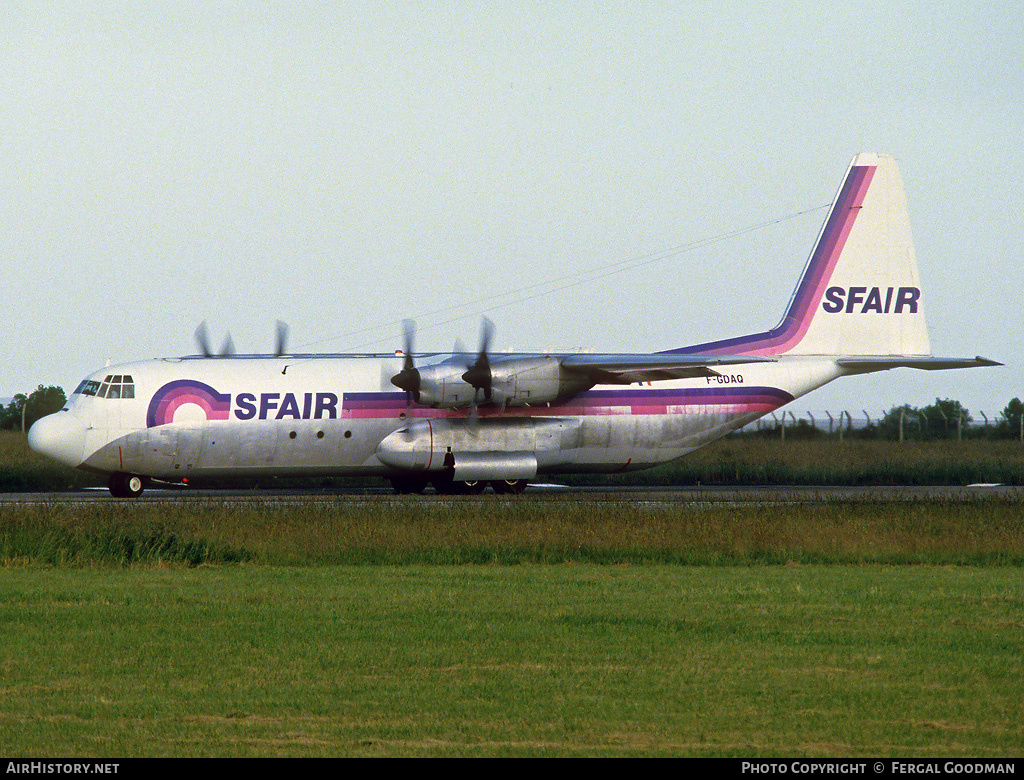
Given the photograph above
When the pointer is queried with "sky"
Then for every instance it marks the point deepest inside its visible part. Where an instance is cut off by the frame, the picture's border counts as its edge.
(611, 177)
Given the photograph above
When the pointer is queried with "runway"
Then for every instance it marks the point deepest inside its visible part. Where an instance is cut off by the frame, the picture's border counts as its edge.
(543, 492)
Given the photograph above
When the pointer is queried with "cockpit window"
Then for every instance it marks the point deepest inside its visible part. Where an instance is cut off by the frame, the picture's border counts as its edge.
(113, 386)
(117, 386)
(88, 387)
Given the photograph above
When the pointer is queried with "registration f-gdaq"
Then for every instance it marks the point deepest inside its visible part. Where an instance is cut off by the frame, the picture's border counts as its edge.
(464, 420)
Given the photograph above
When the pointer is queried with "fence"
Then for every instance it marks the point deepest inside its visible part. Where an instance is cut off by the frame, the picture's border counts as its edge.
(895, 424)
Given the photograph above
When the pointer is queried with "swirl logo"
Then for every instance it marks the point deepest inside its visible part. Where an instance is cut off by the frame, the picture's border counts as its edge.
(173, 395)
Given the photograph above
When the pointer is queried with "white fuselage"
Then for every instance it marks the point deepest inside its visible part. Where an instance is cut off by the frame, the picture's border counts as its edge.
(339, 415)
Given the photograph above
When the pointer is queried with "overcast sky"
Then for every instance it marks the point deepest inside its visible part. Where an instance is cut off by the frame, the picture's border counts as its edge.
(588, 175)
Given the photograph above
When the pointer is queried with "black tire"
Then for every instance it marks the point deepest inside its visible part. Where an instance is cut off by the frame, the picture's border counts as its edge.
(408, 485)
(126, 485)
(447, 486)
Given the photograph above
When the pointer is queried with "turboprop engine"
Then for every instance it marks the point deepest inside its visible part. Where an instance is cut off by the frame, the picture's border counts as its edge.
(519, 381)
(459, 381)
(441, 385)
(531, 381)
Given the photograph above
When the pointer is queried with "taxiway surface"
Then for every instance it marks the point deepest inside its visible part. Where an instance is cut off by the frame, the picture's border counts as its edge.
(549, 492)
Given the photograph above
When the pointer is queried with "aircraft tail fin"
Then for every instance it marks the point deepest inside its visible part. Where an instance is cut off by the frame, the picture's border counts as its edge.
(859, 293)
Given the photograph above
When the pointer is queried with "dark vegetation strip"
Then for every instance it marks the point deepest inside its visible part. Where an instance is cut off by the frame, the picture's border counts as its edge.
(519, 531)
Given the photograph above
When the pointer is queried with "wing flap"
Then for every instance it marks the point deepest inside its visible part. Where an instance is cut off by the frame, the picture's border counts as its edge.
(626, 369)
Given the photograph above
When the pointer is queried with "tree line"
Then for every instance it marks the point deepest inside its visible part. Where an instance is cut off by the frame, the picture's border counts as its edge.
(944, 419)
(23, 410)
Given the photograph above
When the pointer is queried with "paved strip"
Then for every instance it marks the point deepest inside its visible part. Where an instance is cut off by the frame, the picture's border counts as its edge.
(549, 492)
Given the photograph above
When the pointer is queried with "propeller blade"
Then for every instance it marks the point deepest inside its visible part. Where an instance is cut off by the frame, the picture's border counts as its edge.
(473, 420)
(203, 340)
(486, 331)
(479, 374)
(408, 379)
(229, 347)
(282, 339)
(408, 328)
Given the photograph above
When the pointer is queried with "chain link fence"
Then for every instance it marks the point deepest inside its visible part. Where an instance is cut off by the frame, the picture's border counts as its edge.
(895, 424)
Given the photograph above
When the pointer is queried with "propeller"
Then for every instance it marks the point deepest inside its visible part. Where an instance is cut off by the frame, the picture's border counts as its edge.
(282, 339)
(203, 340)
(228, 347)
(408, 379)
(479, 374)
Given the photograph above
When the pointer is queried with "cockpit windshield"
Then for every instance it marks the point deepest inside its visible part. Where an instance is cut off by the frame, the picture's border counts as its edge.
(113, 386)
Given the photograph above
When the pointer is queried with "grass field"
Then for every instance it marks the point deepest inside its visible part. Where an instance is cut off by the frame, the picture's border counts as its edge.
(511, 628)
(348, 530)
(517, 626)
(513, 660)
(582, 660)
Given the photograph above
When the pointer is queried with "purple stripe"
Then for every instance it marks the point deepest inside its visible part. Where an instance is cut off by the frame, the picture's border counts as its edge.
(812, 286)
(593, 402)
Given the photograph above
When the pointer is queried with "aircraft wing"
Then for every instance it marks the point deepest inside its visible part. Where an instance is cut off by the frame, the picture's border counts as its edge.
(626, 369)
(866, 365)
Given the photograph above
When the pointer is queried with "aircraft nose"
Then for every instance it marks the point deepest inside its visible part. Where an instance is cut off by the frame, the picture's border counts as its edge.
(58, 436)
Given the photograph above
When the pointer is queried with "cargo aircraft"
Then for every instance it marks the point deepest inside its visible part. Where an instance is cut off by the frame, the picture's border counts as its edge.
(461, 421)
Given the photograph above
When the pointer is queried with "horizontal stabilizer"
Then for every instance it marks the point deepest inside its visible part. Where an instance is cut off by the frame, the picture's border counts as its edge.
(866, 365)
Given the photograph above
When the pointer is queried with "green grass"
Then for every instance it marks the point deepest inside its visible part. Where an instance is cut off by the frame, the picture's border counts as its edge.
(22, 470)
(570, 660)
(748, 460)
(347, 530)
(522, 626)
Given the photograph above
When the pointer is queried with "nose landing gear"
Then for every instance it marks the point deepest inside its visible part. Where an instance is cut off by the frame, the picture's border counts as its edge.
(126, 485)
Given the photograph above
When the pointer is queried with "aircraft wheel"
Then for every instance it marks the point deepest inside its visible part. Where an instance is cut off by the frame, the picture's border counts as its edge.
(407, 485)
(509, 485)
(453, 487)
(126, 485)
(446, 486)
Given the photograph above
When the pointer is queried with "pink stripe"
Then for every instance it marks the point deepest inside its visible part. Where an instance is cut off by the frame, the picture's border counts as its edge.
(809, 305)
(812, 286)
(171, 405)
(572, 410)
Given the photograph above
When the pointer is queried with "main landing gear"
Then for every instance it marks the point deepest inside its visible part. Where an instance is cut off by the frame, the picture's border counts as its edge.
(126, 485)
(509, 485)
(449, 487)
